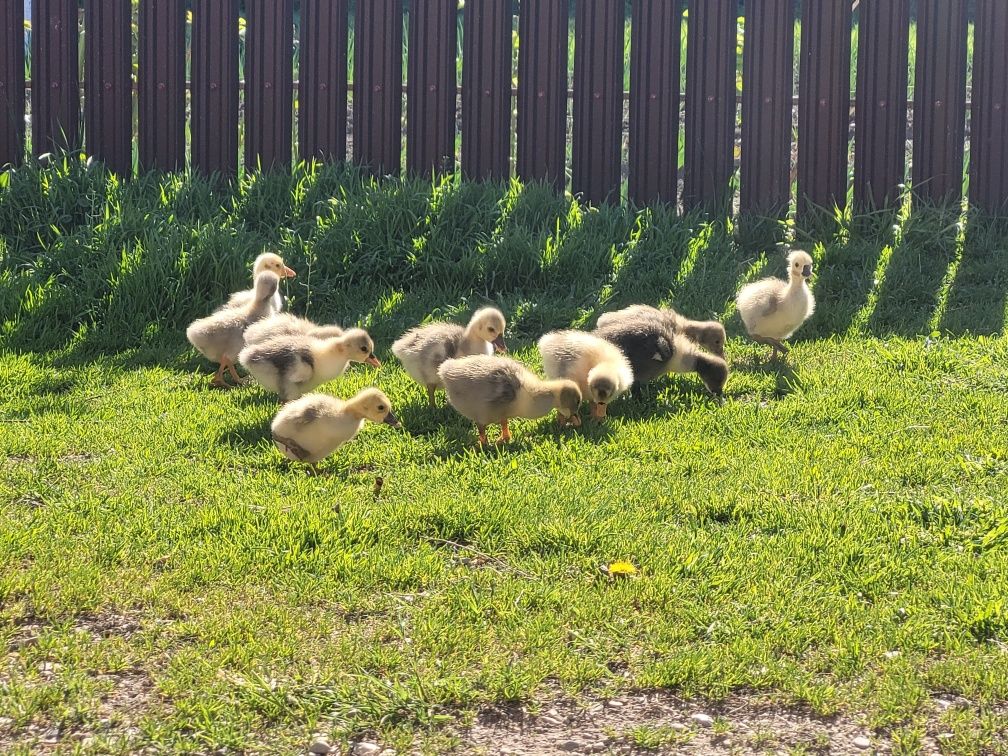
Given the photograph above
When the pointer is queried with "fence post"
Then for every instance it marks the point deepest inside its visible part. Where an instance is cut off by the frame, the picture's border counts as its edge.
(542, 91)
(12, 82)
(598, 100)
(486, 90)
(215, 87)
(108, 83)
(824, 104)
(989, 121)
(322, 93)
(55, 76)
(269, 83)
(377, 98)
(655, 60)
(161, 111)
(710, 104)
(430, 86)
(881, 110)
(767, 94)
(940, 100)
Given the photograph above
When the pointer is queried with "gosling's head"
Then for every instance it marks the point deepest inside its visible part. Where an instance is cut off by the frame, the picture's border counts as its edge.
(266, 285)
(272, 262)
(359, 346)
(567, 398)
(800, 264)
(713, 371)
(603, 383)
(374, 405)
(489, 324)
(709, 334)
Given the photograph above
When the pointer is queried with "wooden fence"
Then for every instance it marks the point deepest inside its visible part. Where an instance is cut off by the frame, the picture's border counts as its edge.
(611, 133)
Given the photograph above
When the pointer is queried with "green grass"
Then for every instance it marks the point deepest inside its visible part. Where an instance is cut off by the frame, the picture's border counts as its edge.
(166, 580)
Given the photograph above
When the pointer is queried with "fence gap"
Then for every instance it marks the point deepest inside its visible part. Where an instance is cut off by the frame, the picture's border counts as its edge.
(161, 101)
(12, 83)
(214, 122)
(710, 104)
(655, 60)
(377, 97)
(55, 93)
(767, 94)
(542, 91)
(322, 86)
(431, 86)
(597, 137)
(269, 83)
(880, 112)
(108, 84)
(939, 126)
(824, 105)
(989, 117)
(486, 90)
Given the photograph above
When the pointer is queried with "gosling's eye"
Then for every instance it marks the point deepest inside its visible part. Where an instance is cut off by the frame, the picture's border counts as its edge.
(363, 348)
(381, 408)
(492, 329)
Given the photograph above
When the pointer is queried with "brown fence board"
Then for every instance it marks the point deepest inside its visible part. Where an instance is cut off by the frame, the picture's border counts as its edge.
(989, 117)
(880, 111)
(824, 104)
(767, 94)
(542, 91)
(55, 76)
(710, 104)
(161, 100)
(215, 87)
(431, 86)
(655, 59)
(597, 135)
(322, 94)
(108, 83)
(377, 98)
(12, 82)
(269, 83)
(940, 100)
(486, 89)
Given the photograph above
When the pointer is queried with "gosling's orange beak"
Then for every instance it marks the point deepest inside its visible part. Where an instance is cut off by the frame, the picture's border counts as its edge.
(288, 272)
(373, 361)
(599, 410)
(499, 345)
(575, 420)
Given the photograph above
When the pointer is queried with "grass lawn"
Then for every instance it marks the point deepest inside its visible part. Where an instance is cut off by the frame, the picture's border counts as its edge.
(832, 538)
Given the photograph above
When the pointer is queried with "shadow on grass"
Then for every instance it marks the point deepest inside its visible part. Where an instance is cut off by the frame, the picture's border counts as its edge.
(979, 292)
(844, 279)
(912, 287)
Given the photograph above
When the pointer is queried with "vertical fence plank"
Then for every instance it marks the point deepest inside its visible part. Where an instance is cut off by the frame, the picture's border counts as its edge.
(824, 104)
(269, 83)
(431, 88)
(655, 59)
(108, 83)
(161, 60)
(598, 100)
(486, 90)
(542, 91)
(940, 100)
(880, 111)
(767, 93)
(710, 104)
(12, 82)
(989, 117)
(377, 98)
(215, 87)
(55, 76)
(322, 93)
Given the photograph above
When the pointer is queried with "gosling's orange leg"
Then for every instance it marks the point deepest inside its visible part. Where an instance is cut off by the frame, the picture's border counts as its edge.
(430, 397)
(218, 380)
(505, 431)
(234, 374)
(481, 429)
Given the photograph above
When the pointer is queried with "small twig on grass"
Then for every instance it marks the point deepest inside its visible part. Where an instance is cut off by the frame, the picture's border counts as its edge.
(496, 560)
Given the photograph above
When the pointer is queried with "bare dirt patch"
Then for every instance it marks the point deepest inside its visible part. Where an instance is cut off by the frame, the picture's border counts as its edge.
(661, 723)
